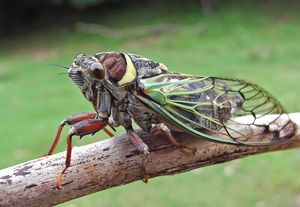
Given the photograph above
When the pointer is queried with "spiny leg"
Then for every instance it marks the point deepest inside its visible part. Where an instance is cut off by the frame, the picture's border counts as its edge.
(68, 159)
(144, 171)
(79, 129)
(73, 119)
(137, 141)
(124, 119)
(162, 128)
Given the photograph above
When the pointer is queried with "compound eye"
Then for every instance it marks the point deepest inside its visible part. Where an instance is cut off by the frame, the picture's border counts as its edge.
(97, 70)
(96, 66)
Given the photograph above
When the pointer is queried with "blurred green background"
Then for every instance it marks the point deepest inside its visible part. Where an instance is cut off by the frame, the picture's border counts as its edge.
(254, 40)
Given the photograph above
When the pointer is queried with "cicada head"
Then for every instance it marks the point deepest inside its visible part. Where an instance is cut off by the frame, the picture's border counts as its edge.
(87, 73)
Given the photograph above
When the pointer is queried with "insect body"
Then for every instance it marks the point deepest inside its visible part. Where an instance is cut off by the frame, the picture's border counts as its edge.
(124, 87)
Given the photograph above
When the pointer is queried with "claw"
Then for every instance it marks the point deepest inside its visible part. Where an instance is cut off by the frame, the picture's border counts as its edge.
(145, 178)
(58, 181)
(145, 149)
(144, 171)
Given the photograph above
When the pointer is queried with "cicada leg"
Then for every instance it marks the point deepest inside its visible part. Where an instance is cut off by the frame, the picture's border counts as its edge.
(162, 128)
(79, 129)
(138, 142)
(73, 119)
(143, 148)
(144, 171)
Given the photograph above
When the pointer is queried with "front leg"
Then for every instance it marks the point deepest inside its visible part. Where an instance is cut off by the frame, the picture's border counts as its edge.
(124, 118)
(79, 129)
(143, 148)
(71, 120)
(102, 105)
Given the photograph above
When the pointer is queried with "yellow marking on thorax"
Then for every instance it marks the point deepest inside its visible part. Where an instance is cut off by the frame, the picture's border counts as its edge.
(130, 73)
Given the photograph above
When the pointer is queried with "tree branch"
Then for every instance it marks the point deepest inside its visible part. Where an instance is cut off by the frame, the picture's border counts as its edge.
(114, 162)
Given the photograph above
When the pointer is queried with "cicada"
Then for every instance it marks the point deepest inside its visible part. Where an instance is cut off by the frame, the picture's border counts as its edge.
(126, 87)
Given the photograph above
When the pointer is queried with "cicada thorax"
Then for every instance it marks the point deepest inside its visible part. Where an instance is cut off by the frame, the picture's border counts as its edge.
(147, 68)
(123, 69)
(115, 66)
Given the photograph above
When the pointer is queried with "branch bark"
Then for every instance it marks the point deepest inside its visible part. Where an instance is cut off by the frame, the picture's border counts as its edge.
(114, 162)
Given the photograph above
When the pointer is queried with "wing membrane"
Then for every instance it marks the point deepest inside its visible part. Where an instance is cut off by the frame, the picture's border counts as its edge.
(219, 109)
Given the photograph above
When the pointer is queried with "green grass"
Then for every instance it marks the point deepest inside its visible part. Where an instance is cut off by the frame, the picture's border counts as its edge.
(258, 44)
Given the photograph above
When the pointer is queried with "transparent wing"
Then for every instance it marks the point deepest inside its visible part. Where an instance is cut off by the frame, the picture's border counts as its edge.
(226, 110)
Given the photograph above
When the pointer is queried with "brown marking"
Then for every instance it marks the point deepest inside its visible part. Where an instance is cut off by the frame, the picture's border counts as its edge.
(115, 65)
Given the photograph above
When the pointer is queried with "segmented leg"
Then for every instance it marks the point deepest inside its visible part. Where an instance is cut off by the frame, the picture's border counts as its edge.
(143, 148)
(68, 160)
(80, 129)
(138, 142)
(144, 171)
(162, 128)
(73, 119)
